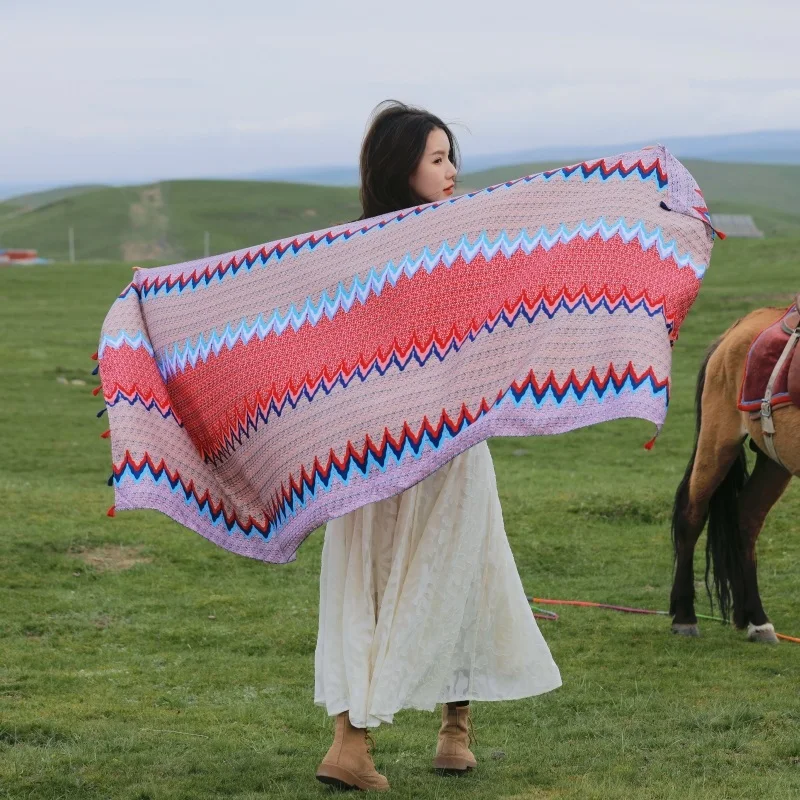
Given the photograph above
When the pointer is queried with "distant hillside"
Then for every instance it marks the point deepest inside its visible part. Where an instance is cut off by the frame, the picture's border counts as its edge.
(760, 147)
(33, 200)
(165, 222)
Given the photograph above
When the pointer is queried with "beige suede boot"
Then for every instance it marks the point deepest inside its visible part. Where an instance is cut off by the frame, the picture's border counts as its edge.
(348, 764)
(455, 736)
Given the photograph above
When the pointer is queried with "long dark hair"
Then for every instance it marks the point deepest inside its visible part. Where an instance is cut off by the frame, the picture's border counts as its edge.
(392, 148)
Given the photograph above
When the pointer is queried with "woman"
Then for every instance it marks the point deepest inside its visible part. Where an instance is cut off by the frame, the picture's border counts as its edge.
(420, 599)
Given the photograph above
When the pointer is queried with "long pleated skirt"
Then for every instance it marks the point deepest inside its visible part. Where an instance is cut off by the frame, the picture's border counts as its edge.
(421, 602)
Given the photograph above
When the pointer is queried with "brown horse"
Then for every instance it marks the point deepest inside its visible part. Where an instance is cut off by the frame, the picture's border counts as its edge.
(719, 489)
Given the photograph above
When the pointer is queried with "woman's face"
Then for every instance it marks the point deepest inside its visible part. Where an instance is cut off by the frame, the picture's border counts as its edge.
(434, 178)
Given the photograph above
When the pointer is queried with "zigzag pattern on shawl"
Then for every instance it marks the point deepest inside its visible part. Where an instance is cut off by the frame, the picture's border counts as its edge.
(133, 395)
(175, 358)
(229, 436)
(348, 364)
(390, 450)
(585, 171)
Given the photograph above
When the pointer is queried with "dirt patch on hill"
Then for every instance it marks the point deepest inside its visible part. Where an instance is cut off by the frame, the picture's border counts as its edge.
(147, 237)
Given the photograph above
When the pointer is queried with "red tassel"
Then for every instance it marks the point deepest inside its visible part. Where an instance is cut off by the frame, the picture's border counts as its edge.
(94, 356)
(722, 235)
(106, 434)
(649, 445)
(111, 511)
(96, 390)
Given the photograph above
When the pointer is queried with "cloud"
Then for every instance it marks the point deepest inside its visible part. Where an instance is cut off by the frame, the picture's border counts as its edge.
(106, 91)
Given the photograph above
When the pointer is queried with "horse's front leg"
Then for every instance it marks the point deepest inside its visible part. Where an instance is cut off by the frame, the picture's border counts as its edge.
(706, 471)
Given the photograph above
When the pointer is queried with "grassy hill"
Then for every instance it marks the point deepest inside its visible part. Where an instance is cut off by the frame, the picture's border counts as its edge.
(34, 200)
(165, 222)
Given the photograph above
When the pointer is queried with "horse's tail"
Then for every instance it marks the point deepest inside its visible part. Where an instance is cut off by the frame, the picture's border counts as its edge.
(682, 493)
(724, 546)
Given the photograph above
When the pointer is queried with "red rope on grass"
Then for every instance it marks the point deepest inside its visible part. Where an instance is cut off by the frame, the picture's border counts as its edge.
(587, 604)
(625, 609)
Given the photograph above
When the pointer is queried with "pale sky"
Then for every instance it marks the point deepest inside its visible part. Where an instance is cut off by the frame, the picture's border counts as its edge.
(143, 90)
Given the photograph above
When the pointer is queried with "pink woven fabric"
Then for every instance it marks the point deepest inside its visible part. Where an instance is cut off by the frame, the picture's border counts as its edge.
(256, 395)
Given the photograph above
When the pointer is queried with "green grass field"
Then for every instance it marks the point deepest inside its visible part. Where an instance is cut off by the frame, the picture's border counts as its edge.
(139, 661)
(166, 222)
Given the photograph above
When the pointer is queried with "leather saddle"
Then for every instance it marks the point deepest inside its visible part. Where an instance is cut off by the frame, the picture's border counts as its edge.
(764, 353)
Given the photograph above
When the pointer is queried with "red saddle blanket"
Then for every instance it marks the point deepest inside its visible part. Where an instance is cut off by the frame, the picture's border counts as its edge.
(761, 359)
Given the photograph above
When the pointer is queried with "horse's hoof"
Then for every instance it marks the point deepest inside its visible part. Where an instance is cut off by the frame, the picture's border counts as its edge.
(685, 629)
(761, 633)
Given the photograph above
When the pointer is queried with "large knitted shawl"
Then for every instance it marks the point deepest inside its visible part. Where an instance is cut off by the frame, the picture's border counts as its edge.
(256, 395)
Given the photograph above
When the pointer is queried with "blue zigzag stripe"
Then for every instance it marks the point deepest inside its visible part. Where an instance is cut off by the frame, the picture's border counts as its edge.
(261, 416)
(119, 397)
(174, 358)
(390, 457)
(179, 362)
(296, 246)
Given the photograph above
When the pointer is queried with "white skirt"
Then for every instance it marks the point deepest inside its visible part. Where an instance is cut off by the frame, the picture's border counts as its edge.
(421, 602)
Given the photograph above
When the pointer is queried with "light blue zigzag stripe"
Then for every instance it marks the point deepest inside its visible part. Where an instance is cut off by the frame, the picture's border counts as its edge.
(175, 358)
(123, 337)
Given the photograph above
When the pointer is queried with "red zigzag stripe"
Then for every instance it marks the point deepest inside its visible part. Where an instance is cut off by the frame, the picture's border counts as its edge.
(307, 478)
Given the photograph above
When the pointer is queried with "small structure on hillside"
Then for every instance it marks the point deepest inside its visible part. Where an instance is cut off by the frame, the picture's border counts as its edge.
(736, 225)
(16, 256)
